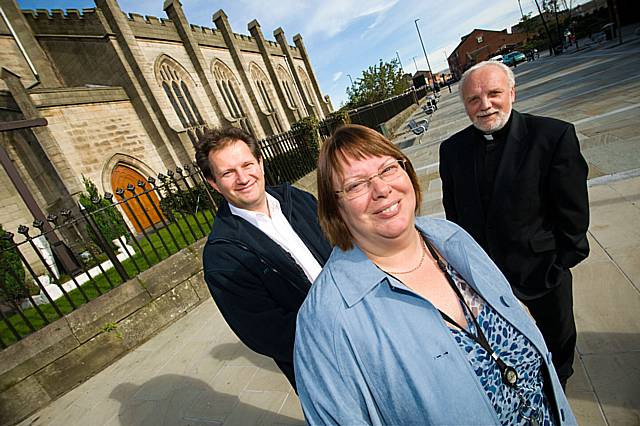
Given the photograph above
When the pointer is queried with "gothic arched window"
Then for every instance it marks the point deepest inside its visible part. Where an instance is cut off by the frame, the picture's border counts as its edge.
(176, 83)
(265, 96)
(229, 88)
(287, 87)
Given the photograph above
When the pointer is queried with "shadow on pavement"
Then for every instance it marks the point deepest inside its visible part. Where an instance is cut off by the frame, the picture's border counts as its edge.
(172, 399)
(235, 350)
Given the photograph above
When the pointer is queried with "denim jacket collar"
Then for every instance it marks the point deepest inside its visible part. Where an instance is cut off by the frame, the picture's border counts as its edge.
(355, 268)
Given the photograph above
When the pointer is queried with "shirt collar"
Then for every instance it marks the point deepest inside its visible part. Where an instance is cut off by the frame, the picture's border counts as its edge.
(254, 217)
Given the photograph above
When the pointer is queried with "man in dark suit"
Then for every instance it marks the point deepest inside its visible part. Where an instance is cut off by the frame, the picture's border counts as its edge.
(265, 249)
(517, 183)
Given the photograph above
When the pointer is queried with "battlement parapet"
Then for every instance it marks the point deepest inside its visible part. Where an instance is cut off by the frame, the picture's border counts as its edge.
(246, 43)
(243, 37)
(204, 30)
(61, 22)
(152, 27)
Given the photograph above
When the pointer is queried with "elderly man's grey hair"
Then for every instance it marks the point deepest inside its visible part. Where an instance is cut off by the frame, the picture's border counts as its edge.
(505, 69)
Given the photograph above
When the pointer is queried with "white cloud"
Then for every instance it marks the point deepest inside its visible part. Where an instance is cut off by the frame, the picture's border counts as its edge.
(337, 76)
(334, 16)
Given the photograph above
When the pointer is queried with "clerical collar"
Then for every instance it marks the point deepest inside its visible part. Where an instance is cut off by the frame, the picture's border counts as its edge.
(498, 135)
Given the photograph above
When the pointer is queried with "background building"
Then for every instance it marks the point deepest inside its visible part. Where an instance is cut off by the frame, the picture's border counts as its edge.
(480, 45)
(126, 96)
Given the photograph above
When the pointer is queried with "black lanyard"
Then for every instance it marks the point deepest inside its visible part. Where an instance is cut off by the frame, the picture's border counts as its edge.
(509, 374)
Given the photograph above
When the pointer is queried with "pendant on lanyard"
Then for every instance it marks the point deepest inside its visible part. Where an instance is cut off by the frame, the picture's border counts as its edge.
(509, 374)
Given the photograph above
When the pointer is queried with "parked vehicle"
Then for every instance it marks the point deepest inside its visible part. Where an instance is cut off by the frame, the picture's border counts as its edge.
(496, 58)
(513, 58)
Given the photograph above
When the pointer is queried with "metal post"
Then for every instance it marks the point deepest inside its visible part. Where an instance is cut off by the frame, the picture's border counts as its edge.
(423, 49)
(399, 61)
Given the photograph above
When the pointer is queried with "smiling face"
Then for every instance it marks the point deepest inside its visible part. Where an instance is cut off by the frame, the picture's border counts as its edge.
(488, 98)
(384, 213)
(239, 176)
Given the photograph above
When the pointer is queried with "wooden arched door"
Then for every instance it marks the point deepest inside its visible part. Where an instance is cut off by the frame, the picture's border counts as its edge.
(123, 176)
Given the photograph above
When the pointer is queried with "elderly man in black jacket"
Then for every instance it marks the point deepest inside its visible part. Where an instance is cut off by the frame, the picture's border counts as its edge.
(517, 183)
(265, 249)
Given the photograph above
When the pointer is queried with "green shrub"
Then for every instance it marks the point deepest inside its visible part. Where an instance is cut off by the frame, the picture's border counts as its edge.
(185, 201)
(12, 277)
(306, 130)
(108, 220)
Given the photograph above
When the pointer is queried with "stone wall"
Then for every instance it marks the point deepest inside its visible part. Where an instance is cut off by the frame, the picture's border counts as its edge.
(50, 362)
(13, 209)
(92, 125)
(12, 59)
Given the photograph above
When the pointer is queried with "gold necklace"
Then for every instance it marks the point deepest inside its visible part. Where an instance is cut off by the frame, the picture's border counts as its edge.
(424, 254)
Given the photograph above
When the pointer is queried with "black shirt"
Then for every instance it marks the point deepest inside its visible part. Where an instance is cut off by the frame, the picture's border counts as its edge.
(488, 161)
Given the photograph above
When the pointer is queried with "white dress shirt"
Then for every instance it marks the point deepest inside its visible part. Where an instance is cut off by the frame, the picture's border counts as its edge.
(277, 227)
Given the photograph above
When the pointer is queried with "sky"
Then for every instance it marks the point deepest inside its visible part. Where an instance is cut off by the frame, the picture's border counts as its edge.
(345, 37)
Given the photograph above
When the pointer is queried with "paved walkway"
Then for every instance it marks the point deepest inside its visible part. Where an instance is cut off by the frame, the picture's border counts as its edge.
(197, 373)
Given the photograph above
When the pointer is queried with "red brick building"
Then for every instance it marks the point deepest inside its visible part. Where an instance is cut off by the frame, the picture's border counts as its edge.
(480, 45)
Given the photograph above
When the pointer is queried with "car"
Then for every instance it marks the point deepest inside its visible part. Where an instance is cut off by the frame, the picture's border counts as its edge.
(497, 58)
(513, 58)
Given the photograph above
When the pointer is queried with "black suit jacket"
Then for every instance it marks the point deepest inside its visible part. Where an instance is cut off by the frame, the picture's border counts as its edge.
(256, 284)
(536, 223)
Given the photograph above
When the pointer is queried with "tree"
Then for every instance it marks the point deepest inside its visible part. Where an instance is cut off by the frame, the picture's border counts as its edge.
(12, 282)
(378, 82)
(109, 220)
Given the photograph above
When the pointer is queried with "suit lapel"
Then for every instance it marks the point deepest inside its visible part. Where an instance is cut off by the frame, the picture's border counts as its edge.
(515, 151)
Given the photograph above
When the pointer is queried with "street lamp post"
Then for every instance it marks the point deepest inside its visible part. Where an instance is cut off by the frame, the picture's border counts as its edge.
(399, 61)
(350, 79)
(423, 49)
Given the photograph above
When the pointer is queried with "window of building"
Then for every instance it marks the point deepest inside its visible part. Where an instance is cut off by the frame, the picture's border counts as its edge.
(264, 91)
(176, 83)
(287, 87)
(479, 39)
(229, 88)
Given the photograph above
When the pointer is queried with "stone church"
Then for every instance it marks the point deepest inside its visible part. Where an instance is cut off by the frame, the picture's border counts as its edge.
(126, 96)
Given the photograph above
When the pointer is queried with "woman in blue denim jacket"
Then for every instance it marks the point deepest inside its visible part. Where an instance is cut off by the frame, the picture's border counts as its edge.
(410, 322)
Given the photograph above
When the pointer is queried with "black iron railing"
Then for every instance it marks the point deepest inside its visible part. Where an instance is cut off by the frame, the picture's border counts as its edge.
(374, 115)
(113, 238)
(152, 220)
(288, 156)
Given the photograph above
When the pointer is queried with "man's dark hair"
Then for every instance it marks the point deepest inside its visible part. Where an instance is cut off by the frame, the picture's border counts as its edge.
(218, 138)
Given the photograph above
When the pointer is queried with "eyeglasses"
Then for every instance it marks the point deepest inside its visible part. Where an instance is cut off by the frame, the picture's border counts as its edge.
(387, 173)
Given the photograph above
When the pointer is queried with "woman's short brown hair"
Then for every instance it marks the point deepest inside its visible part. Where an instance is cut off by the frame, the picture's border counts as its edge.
(356, 142)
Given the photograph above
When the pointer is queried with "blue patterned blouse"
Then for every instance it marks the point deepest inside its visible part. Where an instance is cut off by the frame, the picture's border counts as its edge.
(526, 404)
